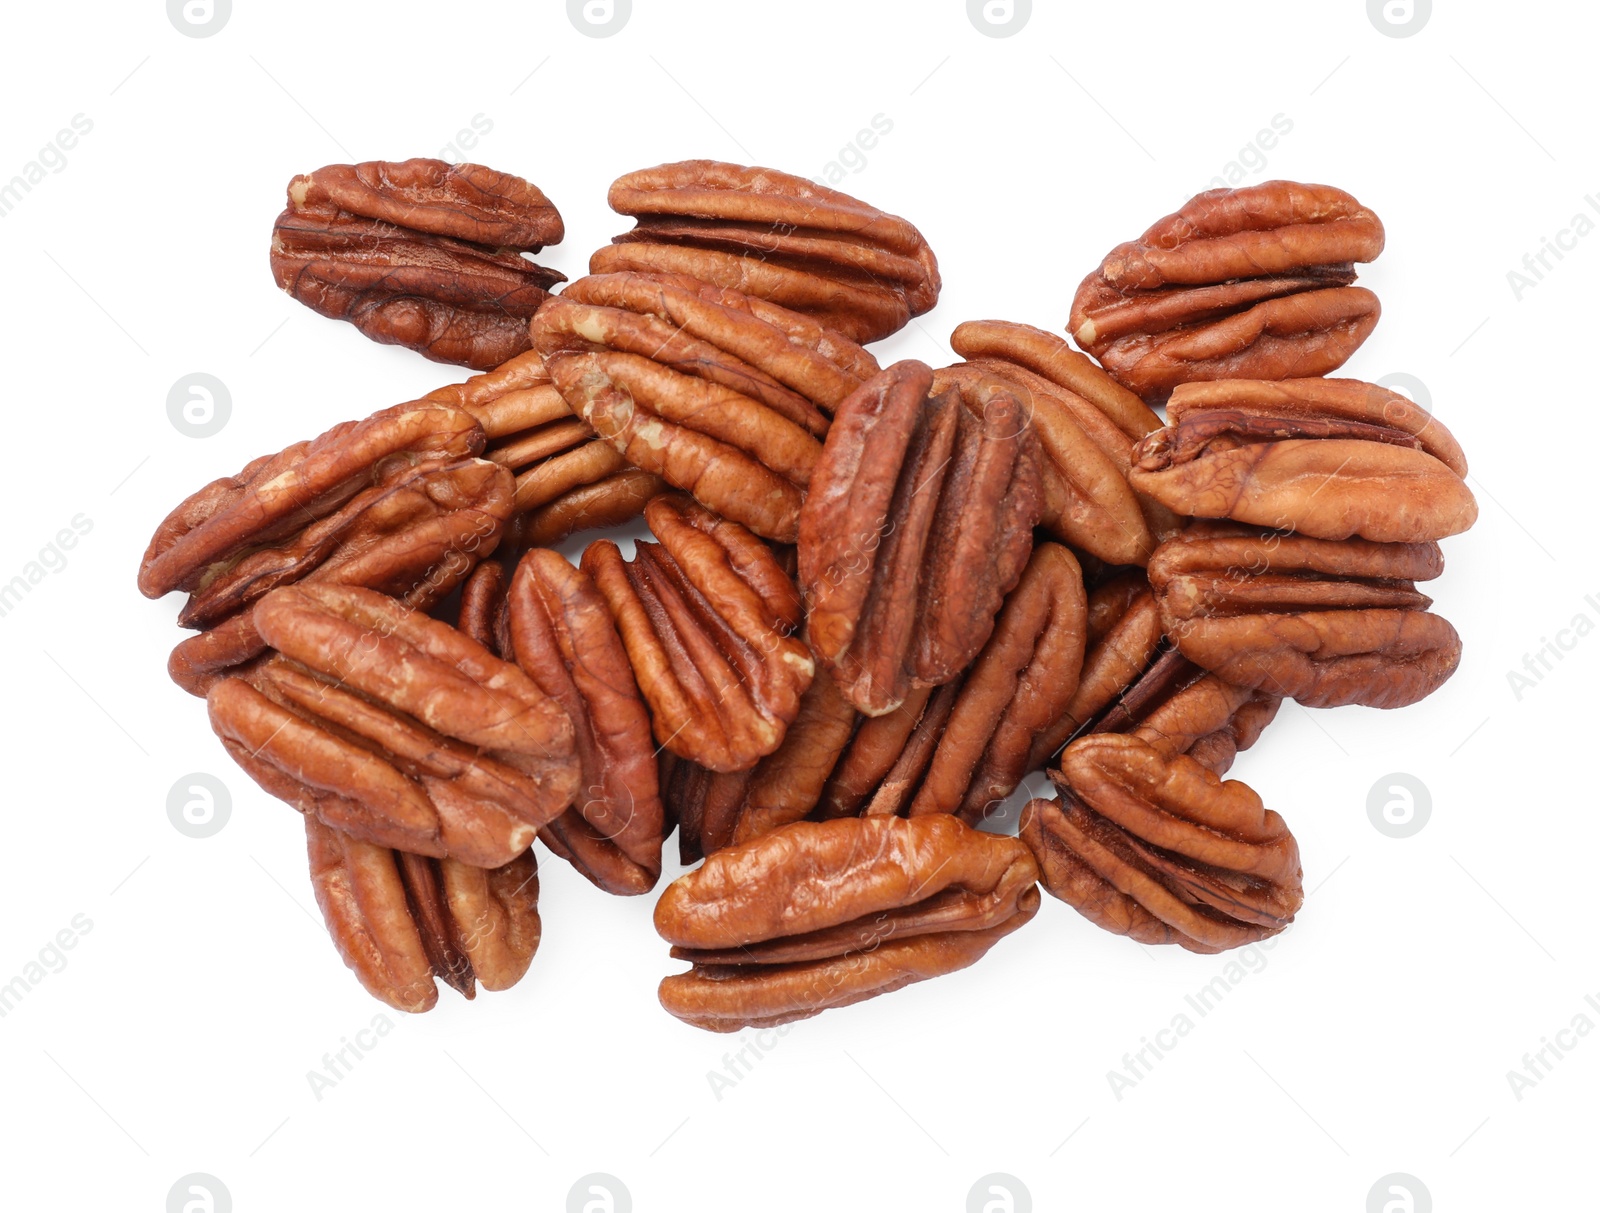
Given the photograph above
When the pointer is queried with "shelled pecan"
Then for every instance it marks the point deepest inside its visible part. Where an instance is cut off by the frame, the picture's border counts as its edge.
(918, 522)
(1245, 283)
(823, 914)
(420, 253)
(401, 920)
(397, 502)
(721, 394)
(1325, 622)
(1329, 458)
(396, 728)
(860, 271)
(1087, 425)
(708, 618)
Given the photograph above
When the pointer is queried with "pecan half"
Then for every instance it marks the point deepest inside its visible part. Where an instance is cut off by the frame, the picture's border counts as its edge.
(824, 914)
(1329, 458)
(719, 393)
(780, 237)
(401, 920)
(420, 253)
(396, 728)
(708, 618)
(1246, 283)
(1321, 621)
(1087, 425)
(396, 502)
(918, 522)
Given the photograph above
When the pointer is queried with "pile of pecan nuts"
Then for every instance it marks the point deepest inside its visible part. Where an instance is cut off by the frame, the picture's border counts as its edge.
(876, 597)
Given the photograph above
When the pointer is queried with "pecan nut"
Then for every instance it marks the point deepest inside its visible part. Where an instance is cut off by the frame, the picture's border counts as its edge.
(401, 920)
(420, 253)
(708, 618)
(1248, 283)
(860, 271)
(918, 522)
(1329, 458)
(719, 393)
(396, 728)
(1324, 622)
(824, 914)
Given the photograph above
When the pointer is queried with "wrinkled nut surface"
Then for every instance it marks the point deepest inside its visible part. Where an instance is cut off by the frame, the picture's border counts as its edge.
(401, 920)
(1329, 458)
(396, 728)
(708, 618)
(918, 522)
(860, 271)
(1246, 283)
(1087, 424)
(823, 914)
(722, 395)
(1320, 621)
(420, 253)
(396, 502)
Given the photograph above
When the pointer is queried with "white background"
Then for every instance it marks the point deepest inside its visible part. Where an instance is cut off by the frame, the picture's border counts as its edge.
(1378, 1034)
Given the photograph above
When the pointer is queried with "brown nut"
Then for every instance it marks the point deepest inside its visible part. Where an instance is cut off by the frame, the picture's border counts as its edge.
(722, 395)
(1324, 622)
(1246, 283)
(420, 253)
(919, 521)
(782, 238)
(708, 618)
(396, 728)
(823, 914)
(401, 920)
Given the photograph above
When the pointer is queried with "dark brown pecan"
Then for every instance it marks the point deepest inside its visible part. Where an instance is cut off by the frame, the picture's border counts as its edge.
(780, 237)
(1087, 425)
(1246, 283)
(918, 523)
(1321, 621)
(420, 253)
(823, 914)
(567, 478)
(396, 502)
(721, 394)
(396, 728)
(709, 619)
(1329, 458)
(402, 920)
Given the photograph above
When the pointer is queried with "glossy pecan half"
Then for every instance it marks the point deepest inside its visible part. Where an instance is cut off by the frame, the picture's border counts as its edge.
(1087, 425)
(420, 253)
(1246, 283)
(1321, 621)
(396, 728)
(708, 617)
(823, 914)
(919, 521)
(401, 920)
(723, 395)
(1329, 458)
(396, 502)
(780, 237)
